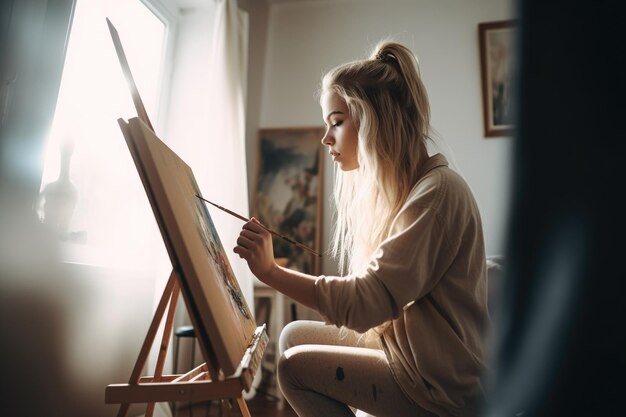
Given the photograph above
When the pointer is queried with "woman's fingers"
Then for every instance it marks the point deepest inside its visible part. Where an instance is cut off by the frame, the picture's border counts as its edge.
(254, 244)
(242, 252)
(255, 226)
(248, 234)
(249, 239)
(244, 242)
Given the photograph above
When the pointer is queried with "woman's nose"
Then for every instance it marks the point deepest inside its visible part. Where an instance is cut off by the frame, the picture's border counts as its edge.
(327, 139)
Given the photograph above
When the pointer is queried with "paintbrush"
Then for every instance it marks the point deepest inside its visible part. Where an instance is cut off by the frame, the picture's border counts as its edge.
(240, 217)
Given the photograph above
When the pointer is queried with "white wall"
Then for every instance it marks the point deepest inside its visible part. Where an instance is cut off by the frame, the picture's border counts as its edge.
(307, 38)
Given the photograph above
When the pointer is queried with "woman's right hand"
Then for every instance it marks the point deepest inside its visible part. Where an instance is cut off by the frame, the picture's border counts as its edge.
(255, 246)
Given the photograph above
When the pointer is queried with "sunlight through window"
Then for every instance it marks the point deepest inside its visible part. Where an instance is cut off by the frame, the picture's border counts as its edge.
(91, 195)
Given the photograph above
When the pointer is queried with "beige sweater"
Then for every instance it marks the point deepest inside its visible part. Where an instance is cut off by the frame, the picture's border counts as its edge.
(429, 278)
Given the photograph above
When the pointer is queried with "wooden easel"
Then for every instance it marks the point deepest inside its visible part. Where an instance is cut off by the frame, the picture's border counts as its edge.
(202, 383)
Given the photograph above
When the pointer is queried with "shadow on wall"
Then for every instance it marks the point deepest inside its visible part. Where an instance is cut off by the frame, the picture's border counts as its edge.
(33, 357)
(32, 326)
(67, 330)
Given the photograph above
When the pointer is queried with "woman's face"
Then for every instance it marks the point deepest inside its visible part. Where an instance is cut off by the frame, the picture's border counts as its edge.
(341, 134)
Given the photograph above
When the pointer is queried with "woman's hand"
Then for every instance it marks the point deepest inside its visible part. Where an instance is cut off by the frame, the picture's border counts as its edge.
(255, 246)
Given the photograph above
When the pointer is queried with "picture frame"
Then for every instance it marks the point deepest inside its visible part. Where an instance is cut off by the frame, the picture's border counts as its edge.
(497, 69)
(288, 192)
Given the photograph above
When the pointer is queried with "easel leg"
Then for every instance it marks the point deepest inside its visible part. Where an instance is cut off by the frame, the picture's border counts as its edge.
(154, 327)
(170, 288)
(165, 340)
(224, 408)
(123, 410)
(243, 407)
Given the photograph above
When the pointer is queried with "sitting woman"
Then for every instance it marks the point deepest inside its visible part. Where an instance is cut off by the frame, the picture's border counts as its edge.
(405, 325)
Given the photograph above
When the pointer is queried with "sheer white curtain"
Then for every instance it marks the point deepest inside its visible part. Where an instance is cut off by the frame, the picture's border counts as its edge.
(206, 126)
(227, 114)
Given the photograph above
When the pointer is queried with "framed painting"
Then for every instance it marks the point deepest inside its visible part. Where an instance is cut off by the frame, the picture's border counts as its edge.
(288, 192)
(497, 68)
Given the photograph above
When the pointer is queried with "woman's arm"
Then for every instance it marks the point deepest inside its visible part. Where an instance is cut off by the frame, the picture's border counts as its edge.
(255, 246)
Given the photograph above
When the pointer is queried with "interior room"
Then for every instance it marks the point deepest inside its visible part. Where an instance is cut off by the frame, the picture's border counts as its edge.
(79, 291)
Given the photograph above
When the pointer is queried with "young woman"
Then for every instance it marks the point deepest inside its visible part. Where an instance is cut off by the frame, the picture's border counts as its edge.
(405, 325)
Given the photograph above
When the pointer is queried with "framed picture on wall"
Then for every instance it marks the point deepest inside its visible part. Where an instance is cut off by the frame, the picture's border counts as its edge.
(497, 68)
(288, 193)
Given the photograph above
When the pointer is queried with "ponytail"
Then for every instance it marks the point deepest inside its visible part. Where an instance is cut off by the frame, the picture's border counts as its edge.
(405, 62)
(389, 106)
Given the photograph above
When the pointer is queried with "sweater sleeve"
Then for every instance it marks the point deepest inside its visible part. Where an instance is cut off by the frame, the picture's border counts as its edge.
(404, 268)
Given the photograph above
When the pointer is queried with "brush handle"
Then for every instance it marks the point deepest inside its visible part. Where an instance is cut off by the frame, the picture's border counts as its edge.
(240, 217)
(293, 242)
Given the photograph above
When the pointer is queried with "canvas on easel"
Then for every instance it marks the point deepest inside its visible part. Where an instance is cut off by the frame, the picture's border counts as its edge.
(217, 306)
(231, 343)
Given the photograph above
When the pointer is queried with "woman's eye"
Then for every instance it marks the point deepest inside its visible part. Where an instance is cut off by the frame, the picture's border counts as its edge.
(337, 123)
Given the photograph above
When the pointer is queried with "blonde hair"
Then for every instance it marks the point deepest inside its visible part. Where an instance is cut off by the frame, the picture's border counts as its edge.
(389, 106)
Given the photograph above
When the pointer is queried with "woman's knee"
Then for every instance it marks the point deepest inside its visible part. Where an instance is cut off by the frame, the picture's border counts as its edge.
(288, 367)
(293, 334)
(285, 338)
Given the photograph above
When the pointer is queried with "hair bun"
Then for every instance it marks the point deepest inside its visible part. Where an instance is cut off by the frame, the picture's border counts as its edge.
(384, 56)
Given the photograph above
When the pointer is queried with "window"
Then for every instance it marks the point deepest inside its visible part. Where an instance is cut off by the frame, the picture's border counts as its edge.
(91, 195)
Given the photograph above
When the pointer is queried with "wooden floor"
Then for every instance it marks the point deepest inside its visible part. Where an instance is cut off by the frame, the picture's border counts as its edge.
(259, 406)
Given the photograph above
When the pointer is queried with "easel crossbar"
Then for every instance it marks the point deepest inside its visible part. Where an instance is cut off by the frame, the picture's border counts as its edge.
(192, 375)
(188, 391)
(195, 385)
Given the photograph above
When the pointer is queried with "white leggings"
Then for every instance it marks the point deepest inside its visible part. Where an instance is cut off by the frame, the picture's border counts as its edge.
(324, 371)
